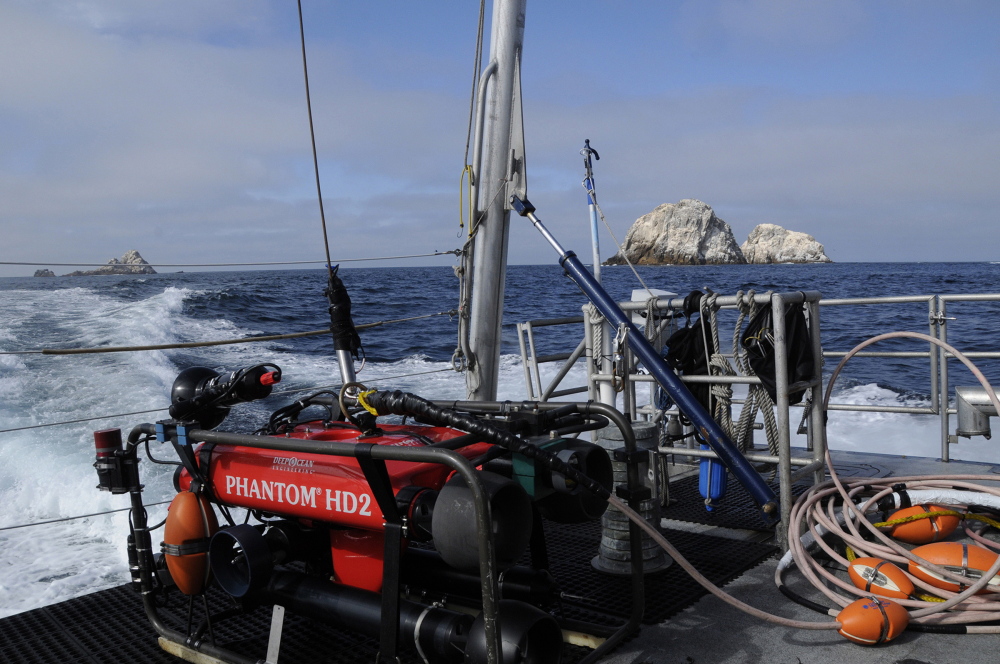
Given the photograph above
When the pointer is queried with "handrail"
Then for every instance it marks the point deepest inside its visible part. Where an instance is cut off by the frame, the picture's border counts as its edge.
(477, 148)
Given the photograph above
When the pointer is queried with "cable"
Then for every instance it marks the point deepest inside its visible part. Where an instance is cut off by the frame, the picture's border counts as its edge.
(339, 260)
(621, 251)
(838, 508)
(202, 344)
(84, 419)
(159, 410)
(312, 136)
(81, 516)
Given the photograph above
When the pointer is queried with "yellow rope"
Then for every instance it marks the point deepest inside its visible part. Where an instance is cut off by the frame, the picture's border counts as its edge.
(363, 402)
(984, 519)
(917, 517)
(928, 598)
(927, 515)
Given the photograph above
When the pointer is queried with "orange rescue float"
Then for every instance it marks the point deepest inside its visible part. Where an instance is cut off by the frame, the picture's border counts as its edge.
(881, 577)
(870, 621)
(191, 522)
(966, 560)
(926, 530)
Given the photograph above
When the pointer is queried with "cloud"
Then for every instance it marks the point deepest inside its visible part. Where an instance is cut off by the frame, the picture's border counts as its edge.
(837, 167)
(180, 129)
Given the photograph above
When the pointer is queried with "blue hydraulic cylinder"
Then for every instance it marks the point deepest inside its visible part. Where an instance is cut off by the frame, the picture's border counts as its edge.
(708, 428)
(712, 480)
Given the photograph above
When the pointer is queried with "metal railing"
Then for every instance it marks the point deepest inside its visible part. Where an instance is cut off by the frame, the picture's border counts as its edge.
(626, 381)
(939, 386)
(531, 359)
(941, 319)
(597, 372)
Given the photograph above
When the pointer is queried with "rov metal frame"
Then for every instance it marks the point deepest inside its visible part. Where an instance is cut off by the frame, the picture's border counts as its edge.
(489, 574)
(455, 461)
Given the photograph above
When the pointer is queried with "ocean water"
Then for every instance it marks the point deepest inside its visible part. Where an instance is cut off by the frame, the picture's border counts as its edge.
(46, 473)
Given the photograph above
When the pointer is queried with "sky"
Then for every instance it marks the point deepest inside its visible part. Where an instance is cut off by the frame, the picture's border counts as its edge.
(179, 128)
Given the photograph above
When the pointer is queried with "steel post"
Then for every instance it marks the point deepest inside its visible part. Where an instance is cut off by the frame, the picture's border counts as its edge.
(490, 251)
(817, 423)
(784, 432)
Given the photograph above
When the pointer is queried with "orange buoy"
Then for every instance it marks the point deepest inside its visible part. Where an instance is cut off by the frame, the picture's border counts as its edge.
(926, 530)
(191, 522)
(870, 621)
(966, 560)
(881, 577)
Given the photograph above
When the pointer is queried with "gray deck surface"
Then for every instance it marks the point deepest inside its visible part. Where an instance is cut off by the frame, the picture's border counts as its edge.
(712, 632)
(708, 632)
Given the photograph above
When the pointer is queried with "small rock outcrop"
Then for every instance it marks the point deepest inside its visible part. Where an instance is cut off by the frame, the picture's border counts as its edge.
(769, 243)
(685, 233)
(130, 263)
(45, 273)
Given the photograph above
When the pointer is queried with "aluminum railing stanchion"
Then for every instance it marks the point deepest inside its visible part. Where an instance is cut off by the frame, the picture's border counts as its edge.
(945, 389)
(817, 424)
(784, 435)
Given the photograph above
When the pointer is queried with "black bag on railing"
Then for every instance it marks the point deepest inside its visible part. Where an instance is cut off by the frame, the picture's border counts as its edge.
(685, 351)
(758, 341)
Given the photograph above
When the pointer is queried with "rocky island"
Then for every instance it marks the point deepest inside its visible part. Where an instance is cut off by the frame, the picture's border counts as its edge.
(690, 233)
(45, 273)
(130, 263)
(769, 243)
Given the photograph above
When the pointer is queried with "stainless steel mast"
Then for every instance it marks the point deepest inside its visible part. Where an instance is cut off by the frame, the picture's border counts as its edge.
(501, 176)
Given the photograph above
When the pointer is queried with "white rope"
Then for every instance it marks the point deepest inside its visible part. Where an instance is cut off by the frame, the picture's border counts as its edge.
(718, 365)
(757, 396)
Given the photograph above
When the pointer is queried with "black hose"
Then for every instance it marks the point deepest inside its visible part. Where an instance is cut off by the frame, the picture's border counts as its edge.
(402, 403)
(799, 599)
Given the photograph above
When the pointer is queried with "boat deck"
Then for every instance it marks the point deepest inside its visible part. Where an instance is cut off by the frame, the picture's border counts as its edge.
(711, 631)
(684, 626)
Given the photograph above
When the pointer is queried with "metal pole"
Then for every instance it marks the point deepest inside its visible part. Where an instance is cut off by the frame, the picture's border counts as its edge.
(707, 427)
(607, 392)
(817, 426)
(490, 269)
(945, 390)
(591, 355)
(588, 184)
(784, 426)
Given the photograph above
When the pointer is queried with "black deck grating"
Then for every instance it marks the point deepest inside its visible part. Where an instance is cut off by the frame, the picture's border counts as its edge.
(666, 592)
(735, 510)
(110, 627)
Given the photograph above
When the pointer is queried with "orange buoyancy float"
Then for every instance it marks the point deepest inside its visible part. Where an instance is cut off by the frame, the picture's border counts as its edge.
(966, 560)
(870, 621)
(880, 577)
(927, 529)
(191, 522)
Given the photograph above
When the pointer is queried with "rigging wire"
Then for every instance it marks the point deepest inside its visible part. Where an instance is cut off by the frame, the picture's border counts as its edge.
(79, 516)
(84, 419)
(593, 195)
(220, 342)
(312, 136)
(160, 410)
(476, 71)
(339, 260)
(467, 170)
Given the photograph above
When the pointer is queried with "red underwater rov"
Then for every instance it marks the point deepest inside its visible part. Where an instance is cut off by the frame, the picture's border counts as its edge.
(363, 524)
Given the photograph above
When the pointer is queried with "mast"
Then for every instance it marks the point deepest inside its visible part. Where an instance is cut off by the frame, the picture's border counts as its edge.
(501, 176)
